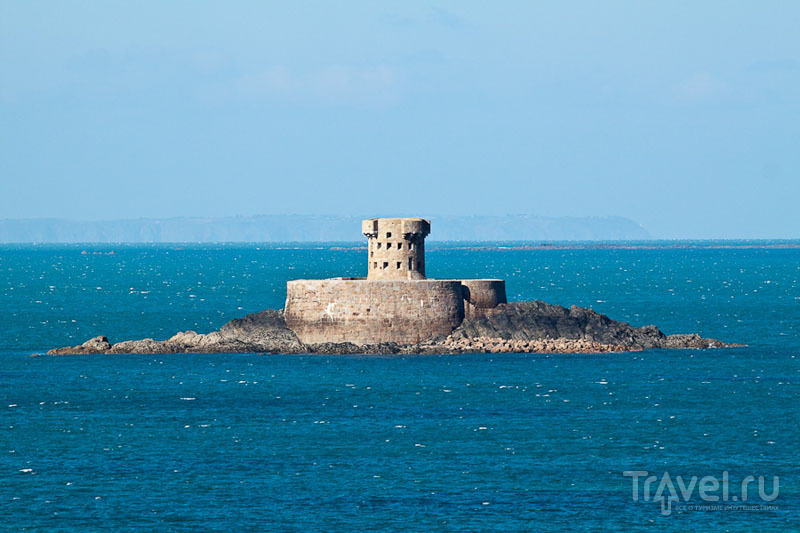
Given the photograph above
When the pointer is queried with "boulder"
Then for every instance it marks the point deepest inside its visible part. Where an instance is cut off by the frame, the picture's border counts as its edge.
(95, 345)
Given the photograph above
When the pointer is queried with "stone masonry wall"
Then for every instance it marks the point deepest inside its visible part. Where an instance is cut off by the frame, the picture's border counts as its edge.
(371, 312)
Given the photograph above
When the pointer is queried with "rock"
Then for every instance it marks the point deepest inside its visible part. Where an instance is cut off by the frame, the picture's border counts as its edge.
(265, 331)
(92, 346)
(693, 341)
(148, 346)
(350, 348)
(516, 327)
(539, 320)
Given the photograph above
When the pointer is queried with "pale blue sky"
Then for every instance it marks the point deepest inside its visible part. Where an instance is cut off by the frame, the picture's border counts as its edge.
(684, 116)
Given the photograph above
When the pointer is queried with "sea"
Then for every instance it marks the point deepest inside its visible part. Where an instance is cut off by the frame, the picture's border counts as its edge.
(480, 442)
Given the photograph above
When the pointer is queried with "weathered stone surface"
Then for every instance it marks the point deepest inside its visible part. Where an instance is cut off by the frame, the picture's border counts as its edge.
(692, 340)
(498, 345)
(372, 312)
(540, 320)
(341, 348)
(396, 247)
(265, 330)
(143, 346)
(518, 327)
(96, 345)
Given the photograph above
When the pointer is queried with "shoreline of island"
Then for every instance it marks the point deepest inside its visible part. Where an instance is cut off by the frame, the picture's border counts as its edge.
(515, 327)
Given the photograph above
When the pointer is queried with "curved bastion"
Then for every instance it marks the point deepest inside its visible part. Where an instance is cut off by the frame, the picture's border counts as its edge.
(395, 302)
(371, 312)
(362, 311)
(481, 295)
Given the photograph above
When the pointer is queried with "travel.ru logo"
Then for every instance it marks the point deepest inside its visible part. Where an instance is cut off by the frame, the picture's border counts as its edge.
(709, 489)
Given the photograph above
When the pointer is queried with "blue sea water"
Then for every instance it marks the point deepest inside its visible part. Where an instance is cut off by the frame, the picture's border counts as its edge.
(511, 442)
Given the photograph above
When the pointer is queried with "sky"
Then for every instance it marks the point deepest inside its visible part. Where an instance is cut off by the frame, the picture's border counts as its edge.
(683, 116)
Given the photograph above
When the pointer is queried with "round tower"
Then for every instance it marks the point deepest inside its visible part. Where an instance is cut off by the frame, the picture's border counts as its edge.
(396, 247)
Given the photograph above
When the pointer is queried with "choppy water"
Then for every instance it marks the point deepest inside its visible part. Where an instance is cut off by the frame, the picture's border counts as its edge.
(469, 442)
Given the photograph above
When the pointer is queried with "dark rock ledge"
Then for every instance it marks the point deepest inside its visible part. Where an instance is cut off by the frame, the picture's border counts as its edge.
(531, 327)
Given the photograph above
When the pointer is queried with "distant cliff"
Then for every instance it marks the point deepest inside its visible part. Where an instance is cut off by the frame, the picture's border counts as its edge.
(309, 228)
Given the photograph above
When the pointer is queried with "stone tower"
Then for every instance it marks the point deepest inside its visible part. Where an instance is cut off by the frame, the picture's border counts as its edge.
(395, 302)
(396, 248)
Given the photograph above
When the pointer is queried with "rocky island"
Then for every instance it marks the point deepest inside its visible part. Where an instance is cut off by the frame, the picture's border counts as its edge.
(397, 310)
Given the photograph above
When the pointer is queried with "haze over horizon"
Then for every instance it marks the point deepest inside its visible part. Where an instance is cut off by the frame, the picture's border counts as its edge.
(682, 117)
(314, 228)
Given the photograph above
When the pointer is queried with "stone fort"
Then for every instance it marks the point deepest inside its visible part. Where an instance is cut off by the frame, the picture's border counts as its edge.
(396, 302)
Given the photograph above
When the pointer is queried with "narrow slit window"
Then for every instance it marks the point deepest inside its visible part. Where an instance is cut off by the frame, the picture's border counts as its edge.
(411, 263)
(398, 265)
(375, 264)
(379, 246)
(399, 245)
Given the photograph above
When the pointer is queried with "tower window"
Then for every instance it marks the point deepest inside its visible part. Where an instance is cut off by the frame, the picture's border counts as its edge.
(388, 234)
(379, 246)
(411, 263)
(411, 246)
(399, 245)
(375, 264)
(385, 265)
(398, 265)
(388, 245)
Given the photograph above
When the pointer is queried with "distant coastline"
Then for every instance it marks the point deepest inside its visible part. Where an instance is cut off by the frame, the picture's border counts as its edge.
(733, 245)
(311, 228)
(111, 248)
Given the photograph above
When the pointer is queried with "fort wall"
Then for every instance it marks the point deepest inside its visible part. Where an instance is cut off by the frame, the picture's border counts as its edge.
(395, 302)
(371, 312)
